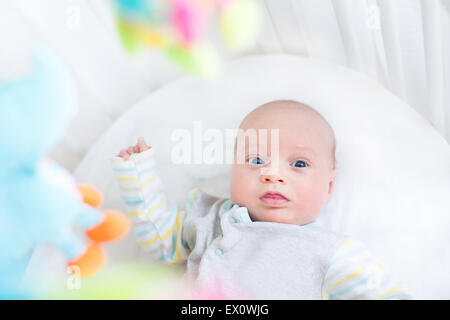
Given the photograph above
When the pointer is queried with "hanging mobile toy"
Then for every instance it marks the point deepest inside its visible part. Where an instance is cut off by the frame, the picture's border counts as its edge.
(178, 28)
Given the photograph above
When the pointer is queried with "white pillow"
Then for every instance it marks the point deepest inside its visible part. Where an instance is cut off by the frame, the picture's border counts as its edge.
(393, 186)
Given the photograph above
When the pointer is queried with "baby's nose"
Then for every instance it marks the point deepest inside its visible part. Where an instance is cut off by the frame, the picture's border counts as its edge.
(271, 178)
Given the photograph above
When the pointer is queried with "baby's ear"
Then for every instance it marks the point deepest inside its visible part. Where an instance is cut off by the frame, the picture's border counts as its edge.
(331, 183)
(334, 172)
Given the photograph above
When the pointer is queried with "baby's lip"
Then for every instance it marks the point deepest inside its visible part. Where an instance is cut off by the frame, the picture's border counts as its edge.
(273, 194)
(273, 198)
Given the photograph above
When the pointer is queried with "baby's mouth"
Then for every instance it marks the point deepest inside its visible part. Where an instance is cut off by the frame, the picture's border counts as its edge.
(274, 199)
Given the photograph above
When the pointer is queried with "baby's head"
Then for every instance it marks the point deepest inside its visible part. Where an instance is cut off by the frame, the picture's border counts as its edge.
(303, 173)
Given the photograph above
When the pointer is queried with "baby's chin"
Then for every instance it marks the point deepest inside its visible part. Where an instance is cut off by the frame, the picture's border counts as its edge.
(277, 215)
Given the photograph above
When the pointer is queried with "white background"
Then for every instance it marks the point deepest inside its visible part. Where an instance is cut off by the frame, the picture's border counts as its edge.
(404, 44)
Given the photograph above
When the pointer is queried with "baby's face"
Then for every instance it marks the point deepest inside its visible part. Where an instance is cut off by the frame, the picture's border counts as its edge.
(302, 174)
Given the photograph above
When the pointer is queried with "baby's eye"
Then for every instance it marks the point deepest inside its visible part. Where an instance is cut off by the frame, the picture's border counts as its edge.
(255, 160)
(299, 164)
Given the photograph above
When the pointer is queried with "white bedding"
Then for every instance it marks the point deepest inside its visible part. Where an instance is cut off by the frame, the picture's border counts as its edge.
(393, 185)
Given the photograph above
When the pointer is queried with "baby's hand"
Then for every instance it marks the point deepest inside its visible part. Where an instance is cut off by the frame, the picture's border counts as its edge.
(141, 146)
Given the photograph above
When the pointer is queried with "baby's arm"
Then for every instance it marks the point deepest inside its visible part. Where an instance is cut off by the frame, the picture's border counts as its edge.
(354, 273)
(157, 224)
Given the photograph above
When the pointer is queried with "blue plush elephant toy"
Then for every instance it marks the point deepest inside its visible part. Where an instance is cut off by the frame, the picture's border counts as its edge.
(39, 202)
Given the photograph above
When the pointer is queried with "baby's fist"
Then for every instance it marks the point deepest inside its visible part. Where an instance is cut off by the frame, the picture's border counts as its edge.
(141, 146)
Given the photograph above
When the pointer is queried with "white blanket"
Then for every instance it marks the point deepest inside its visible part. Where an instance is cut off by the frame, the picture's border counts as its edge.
(392, 189)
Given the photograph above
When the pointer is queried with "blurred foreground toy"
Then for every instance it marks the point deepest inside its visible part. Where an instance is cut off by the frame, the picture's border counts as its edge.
(124, 281)
(144, 280)
(39, 201)
(114, 226)
(179, 28)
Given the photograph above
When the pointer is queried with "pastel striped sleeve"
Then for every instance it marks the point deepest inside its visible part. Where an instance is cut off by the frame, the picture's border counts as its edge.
(353, 273)
(157, 223)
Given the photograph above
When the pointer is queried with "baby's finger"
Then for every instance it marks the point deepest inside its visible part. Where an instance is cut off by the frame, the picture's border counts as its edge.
(130, 150)
(142, 145)
(124, 154)
(136, 149)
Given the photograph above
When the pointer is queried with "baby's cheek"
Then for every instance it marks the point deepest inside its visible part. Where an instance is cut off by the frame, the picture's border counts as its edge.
(309, 198)
(238, 186)
(234, 192)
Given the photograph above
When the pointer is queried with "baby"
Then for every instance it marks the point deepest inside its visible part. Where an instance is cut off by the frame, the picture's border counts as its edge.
(264, 242)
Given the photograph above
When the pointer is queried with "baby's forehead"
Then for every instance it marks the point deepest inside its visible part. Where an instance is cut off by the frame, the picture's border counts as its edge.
(289, 118)
(286, 111)
(298, 124)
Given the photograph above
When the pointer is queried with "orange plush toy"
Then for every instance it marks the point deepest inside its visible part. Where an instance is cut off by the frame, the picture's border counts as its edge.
(114, 226)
